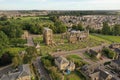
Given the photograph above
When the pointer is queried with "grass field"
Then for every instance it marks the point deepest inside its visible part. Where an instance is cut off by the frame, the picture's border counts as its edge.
(63, 44)
(14, 50)
(75, 57)
(108, 38)
(28, 18)
(76, 75)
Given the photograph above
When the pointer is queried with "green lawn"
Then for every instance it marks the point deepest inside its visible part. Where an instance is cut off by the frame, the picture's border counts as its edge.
(75, 57)
(28, 18)
(79, 62)
(108, 38)
(93, 58)
(63, 44)
(14, 50)
(76, 75)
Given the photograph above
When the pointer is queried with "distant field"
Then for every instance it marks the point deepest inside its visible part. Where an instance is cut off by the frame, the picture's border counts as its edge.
(28, 18)
(107, 38)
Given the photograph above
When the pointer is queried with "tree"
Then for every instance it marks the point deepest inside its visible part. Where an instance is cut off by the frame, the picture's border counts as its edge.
(4, 41)
(60, 27)
(15, 62)
(116, 30)
(78, 27)
(106, 28)
(3, 18)
(109, 53)
(36, 29)
(31, 54)
(55, 74)
(53, 28)
(54, 18)
(13, 31)
(6, 59)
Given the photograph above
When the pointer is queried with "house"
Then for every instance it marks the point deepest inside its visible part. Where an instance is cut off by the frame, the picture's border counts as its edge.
(48, 36)
(100, 75)
(117, 50)
(96, 53)
(75, 36)
(115, 45)
(22, 73)
(63, 64)
(116, 64)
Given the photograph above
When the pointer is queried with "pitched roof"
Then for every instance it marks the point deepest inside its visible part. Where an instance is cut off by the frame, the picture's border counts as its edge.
(62, 60)
(117, 62)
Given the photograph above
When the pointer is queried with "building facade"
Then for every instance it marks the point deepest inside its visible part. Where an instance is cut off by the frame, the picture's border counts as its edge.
(48, 36)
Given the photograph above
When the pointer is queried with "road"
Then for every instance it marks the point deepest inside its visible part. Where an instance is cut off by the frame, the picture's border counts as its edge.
(41, 70)
(5, 70)
(81, 52)
(42, 73)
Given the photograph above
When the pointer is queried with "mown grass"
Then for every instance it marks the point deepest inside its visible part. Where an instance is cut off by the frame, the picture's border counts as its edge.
(108, 38)
(93, 58)
(62, 44)
(76, 75)
(75, 57)
(29, 18)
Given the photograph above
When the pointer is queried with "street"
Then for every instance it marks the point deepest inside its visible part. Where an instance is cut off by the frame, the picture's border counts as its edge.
(80, 52)
(5, 70)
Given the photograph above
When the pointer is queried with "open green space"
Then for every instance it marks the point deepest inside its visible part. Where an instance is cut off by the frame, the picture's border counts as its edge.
(91, 57)
(62, 44)
(76, 75)
(79, 62)
(107, 38)
(14, 50)
(75, 57)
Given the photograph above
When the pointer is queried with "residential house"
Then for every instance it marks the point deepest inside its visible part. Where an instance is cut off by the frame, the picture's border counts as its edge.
(100, 75)
(116, 64)
(63, 64)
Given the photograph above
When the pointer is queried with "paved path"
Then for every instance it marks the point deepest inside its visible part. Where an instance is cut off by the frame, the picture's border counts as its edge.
(5, 70)
(30, 41)
(81, 52)
(41, 70)
(42, 73)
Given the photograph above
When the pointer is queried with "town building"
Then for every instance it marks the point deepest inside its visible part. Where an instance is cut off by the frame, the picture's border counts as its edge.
(116, 64)
(115, 45)
(48, 36)
(75, 36)
(96, 53)
(22, 73)
(100, 75)
(63, 64)
(99, 72)
(93, 21)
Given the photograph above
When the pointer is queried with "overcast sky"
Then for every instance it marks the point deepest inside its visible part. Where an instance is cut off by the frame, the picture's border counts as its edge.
(60, 4)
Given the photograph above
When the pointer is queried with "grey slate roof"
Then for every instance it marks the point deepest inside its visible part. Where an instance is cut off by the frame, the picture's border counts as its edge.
(117, 62)
(62, 60)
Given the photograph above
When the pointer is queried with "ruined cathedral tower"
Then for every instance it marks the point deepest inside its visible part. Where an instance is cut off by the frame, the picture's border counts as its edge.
(48, 36)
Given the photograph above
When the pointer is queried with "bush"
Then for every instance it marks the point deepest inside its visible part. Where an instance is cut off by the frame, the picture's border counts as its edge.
(108, 53)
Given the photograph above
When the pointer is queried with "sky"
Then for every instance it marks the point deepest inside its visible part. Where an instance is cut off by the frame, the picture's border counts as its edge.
(59, 4)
